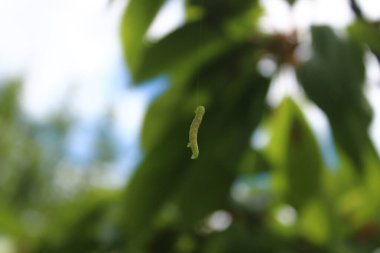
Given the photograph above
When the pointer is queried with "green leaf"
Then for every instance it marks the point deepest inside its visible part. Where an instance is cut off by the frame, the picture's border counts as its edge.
(191, 45)
(236, 107)
(315, 223)
(242, 238)
(254, 161)
(167, 174)
(155, 178)
(364, 32)
(10, 223)
(8, 101)
(160, 115)
(184, 49)
(295, 151)
(333, 78)
(135, 22)
(235, 239)
(224, 139)
(78, 226)
(216, 12)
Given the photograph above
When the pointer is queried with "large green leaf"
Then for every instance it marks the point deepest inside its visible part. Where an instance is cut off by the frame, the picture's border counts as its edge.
(224, 140)
(216, 11)
(10, 223)
(333, 78)
(78, 226)
(185, 48)
(235, 239)
(167, 173)
(160, 115)
(366, 33)
(136, 20)
(294, 150)
(242, 238)
(315, 222)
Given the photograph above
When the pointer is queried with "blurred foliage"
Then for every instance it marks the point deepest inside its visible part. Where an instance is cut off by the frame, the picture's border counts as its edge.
(237, 197)
(333, 78)
(44, 196)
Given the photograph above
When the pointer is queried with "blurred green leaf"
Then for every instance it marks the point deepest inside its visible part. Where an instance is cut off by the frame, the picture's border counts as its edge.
(333, 78)
(358, 204)
(10, 223)
(234, 240)
(255, 161)
(135, 22)
(9, 108)
(167, 170)
(215, 12)
(207, 184)
(185, 48)
(82, 225)
(367, 33)
(315, 223)
(295, 151)
(159, 115)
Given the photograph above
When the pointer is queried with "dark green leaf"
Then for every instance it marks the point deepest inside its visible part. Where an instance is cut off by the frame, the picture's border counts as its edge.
(167, 168)
(135, 23)
(333, 78)
(207, 184)
(294, 149)
(366, 33)
(186, 48)
(234, 240)
(215, 12)
(315, 223)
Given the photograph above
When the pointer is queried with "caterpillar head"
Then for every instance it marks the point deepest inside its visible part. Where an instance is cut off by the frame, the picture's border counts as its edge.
(200, 110)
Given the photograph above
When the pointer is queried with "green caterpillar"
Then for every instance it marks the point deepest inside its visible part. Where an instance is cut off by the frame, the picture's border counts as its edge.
(193, 133)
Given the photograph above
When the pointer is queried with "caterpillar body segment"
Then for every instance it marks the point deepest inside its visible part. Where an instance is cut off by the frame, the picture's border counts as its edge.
(193, 133)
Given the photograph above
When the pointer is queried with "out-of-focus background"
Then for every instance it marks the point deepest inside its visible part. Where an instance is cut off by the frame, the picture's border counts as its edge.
(96, 100)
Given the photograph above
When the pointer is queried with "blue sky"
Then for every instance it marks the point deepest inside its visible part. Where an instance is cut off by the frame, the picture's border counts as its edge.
(63, 46)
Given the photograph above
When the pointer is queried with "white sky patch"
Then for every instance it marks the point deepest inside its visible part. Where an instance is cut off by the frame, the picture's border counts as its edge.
(277, 16)
(7, 244)
(281, 17)
(260, 138)
(370, 8)
(318, 121)
(21, 31)
(266, 66)
(130, 112)
(219, 221)
(320, 126)
(284, 85)
(57, 46)
(373, 94)
(373, 70)
(286, 215)
(171, 16)
(336, 13)
(303, 14)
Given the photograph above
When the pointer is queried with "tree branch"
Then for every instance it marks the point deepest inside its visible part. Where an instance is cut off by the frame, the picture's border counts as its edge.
(359, 14)
(356, 9)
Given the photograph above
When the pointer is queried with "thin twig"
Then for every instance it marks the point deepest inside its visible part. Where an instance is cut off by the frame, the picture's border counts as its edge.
(356, 9)
(359, 14)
